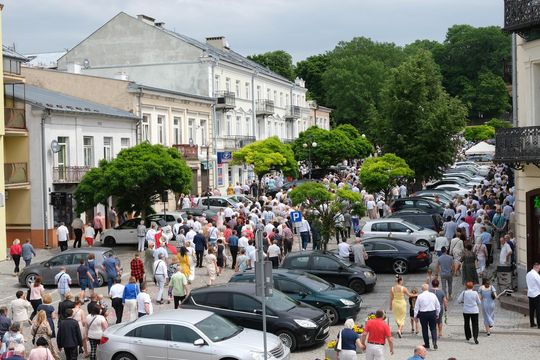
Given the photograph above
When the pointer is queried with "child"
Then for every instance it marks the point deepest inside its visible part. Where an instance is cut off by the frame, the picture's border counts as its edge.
(220, 256)
(412, 303)
(89, 234)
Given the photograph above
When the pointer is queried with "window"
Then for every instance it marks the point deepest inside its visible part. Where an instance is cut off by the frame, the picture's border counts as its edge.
(287, 100)
(61, 260)
(124, 143)
(75, 260)
(190, 130)
(229, 176)
(247, 126)
(383, 247)
(217, 300)
(379, 227)
(237, 88)
(145, 127)
(281, 99)
(299, 262)
(152, 331)
(289, 287)
(275, 96)
(204, 133)
(324, 263)
(227, 84)
(216, 83)
(63, 153)
(238, 126)
(258, 92)
(176, 130)
(247, 86)
(183, 334)
(107, 148)
(228, 125)
(268, 94)
(161, 129)
(245, 303)
(88, 150)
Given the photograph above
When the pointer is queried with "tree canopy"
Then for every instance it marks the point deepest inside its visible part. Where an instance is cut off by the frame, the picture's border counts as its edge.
(136, 178)
(383, 173)
(479, 133)
(312, 70)
(278, 61)
(267, 155)
(361, 145)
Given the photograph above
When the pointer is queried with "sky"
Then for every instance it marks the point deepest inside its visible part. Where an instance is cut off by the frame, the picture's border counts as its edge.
(300, 27)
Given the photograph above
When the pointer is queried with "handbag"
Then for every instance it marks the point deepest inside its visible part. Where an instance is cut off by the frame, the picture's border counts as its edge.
(493, 295)
(339, 345)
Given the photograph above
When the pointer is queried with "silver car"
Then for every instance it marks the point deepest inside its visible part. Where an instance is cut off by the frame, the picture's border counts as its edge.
(186, 334)
(399, 229)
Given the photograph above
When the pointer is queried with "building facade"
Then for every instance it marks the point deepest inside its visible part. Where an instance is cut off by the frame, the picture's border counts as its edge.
(251, 102)
(319, 115)
(519, 147)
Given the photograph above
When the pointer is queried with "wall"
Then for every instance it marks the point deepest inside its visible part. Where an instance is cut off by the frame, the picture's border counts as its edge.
(3, 244)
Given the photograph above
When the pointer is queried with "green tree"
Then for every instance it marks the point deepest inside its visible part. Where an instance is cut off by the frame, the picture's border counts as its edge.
(312, 70)
(136, 178)
(383, 173)
(498, 124)
(492, 95)
(362, 147)
(278, 61)
(267, 155)
(418, 120)
(479, 133)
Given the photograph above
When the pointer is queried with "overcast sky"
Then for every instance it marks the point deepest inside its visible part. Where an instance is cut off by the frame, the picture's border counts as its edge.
(301, 27)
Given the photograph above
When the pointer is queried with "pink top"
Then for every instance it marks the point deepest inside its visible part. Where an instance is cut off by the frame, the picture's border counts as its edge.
(36, 292)
(40, 353)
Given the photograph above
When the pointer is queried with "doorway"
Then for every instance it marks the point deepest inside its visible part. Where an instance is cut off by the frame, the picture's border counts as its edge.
(533, 227)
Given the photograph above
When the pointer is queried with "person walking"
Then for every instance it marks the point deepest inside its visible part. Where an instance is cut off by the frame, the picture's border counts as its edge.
(480, 250)
(49, 310)
(89, 234)
(94, 273)
(62, 280)
(77, 225)
(96, 324)
(533, 293)
(398, 305)
(160, 276)
(427, 309)
(233, 247)
(149, 261)
(359, 252)
(117, 294)
(80, 316)
(178, 288)
(420, 353)
(64, 305)
(468, 268)
(211, 266)
(5, 321)
(111, 214)
(41, 351)
(144, 302)
(98, 225)
(111, 267)
(27, 252)
(305, 233)
(488, 294)
(471, 308)
(200, 246)
(15, 251)
(376, 334)
(137, 268)
(20, 309)
(36, 295)
(348, 341)
(129, 298)
(141, 235)
(84, 278)
(11, 338)
(443, 302)
(41, 329)
(445, 269)
(62, 234)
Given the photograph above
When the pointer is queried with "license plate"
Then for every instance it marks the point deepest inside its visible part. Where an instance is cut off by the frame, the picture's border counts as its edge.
(326, 329)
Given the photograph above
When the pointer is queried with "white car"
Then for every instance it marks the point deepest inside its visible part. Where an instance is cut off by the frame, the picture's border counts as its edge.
(127, 232)
(396, 228)
(454, 189)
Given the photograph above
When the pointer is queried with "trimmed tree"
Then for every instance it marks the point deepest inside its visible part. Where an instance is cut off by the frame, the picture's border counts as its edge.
(361, 145)
(479, 133)
(136, 178)
(383, 173)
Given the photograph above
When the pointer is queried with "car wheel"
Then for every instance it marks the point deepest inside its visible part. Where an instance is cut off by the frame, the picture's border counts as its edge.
(109, 241)
(30, 279)
(331, 313)
(287, 338)
(423, 243)
(400, 267)
(124, 356)
(358, 286)
(100, 280)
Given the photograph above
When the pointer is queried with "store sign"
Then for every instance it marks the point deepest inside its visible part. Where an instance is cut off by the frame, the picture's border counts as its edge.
(224, 157)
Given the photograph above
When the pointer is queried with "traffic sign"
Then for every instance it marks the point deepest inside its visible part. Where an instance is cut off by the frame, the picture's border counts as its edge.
(296, 216)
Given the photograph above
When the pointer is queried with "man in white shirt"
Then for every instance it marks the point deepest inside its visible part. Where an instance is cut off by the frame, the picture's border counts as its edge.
(160, 274)
(144, 303)
(344, 249)
(190, 235)
(228, 213)
(62, 280)
(305, 233)
(427, 309)
(63, 236)
(243, 241)
(116, 294)
(151, 233)
(274, 254)
(533, 293)
(505, 255)
(440, 242)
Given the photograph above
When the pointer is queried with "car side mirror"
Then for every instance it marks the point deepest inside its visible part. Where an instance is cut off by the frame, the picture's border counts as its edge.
(47, 264)
(257, 311)
(199, 342)
(409, 231)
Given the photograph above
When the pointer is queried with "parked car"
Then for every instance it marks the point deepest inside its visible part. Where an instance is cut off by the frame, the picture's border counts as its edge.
(420, 218)
(244, 199)
(216, 202)
(69, 259)
(327, 266)
(444, 196)
(446, 181)
(417, 203)
(338, 302)
(126, 234)
(396, 256)
(398, 229)
(209, 214)
(186, 334)
(169, 216)
(295, 323)
(454, 189)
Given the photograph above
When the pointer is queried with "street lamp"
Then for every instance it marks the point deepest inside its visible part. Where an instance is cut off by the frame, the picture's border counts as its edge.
(309, 146)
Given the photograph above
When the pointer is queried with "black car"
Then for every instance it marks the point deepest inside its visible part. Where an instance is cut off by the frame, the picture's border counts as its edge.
(209, 214)
(331, 268)
(295, 323)
(419, 217)
(417, 203)
(338, 302)
(395, 256)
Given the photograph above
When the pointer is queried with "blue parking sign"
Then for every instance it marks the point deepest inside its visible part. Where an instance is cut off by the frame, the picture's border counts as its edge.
(296, 216)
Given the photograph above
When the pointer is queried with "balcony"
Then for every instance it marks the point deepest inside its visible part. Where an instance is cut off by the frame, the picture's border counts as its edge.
(287, 140)
(15, 173)
(522, 16)
(69, 174)
(225, 100)
(293, 112)
(517, 147)
(188, 152)
(15, 119)
(264, 107)
(234, 142)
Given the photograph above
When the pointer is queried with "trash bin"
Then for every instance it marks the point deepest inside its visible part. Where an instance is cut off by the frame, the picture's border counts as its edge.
(504, 278)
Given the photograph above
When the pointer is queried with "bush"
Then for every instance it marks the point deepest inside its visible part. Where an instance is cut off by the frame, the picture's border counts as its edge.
(499, 124)
(479, 133)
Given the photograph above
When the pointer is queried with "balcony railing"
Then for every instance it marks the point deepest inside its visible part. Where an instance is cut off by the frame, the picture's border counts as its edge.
(264, 107)
(189, 152)
(15, 173)
(521, 16)
(287, 140)
(232, 142)
(69, 174)
(518, 146)
(15, 118)
(225, 100)
(293, 112)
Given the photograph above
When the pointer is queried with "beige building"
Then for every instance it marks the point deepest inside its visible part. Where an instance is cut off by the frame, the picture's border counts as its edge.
(319, 115)
(166, 117)
(519, 147)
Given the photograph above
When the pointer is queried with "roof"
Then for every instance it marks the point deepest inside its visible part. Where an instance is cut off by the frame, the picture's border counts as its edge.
(136, 87)
(44, 60)
(59, 102)
(9, 52)
(245, 288)
(185, 315)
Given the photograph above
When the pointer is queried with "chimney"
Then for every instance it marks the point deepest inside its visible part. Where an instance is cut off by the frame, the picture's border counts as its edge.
(146, 19)
(160, 24)
(218, 42)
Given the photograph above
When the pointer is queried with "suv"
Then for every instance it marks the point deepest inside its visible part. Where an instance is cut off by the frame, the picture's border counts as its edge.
(399, 229)
(420, 218)
(331, 268)
(338, 302)
(216, 202)
(296, 324)
(418, 203)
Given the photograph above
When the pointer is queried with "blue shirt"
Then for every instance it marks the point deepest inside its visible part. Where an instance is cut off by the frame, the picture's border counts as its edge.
(416, 357)
(348, 342)
(233, 240)
(130, 292)
(110, 266)
(485, 237)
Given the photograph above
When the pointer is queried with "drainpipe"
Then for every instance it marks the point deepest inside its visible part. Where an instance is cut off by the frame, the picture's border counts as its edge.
(138, 126)
(214, 129)
(514, 81)
(253, 111)
(44, 116)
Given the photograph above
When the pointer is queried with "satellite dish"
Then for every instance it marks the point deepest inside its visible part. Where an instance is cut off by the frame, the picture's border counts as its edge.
(86, 63)
(55, 147)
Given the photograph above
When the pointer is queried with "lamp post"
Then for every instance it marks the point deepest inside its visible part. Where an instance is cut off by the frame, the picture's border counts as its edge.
(309, 146)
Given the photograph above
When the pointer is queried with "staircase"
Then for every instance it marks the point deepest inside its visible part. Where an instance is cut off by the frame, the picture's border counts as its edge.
(517, 302)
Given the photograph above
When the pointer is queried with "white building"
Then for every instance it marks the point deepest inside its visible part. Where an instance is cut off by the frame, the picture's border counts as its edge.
(252, 102)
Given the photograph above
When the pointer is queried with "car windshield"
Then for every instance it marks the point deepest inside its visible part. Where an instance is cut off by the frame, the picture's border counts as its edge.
(217, 328)
(314, 283)
(280, 302)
